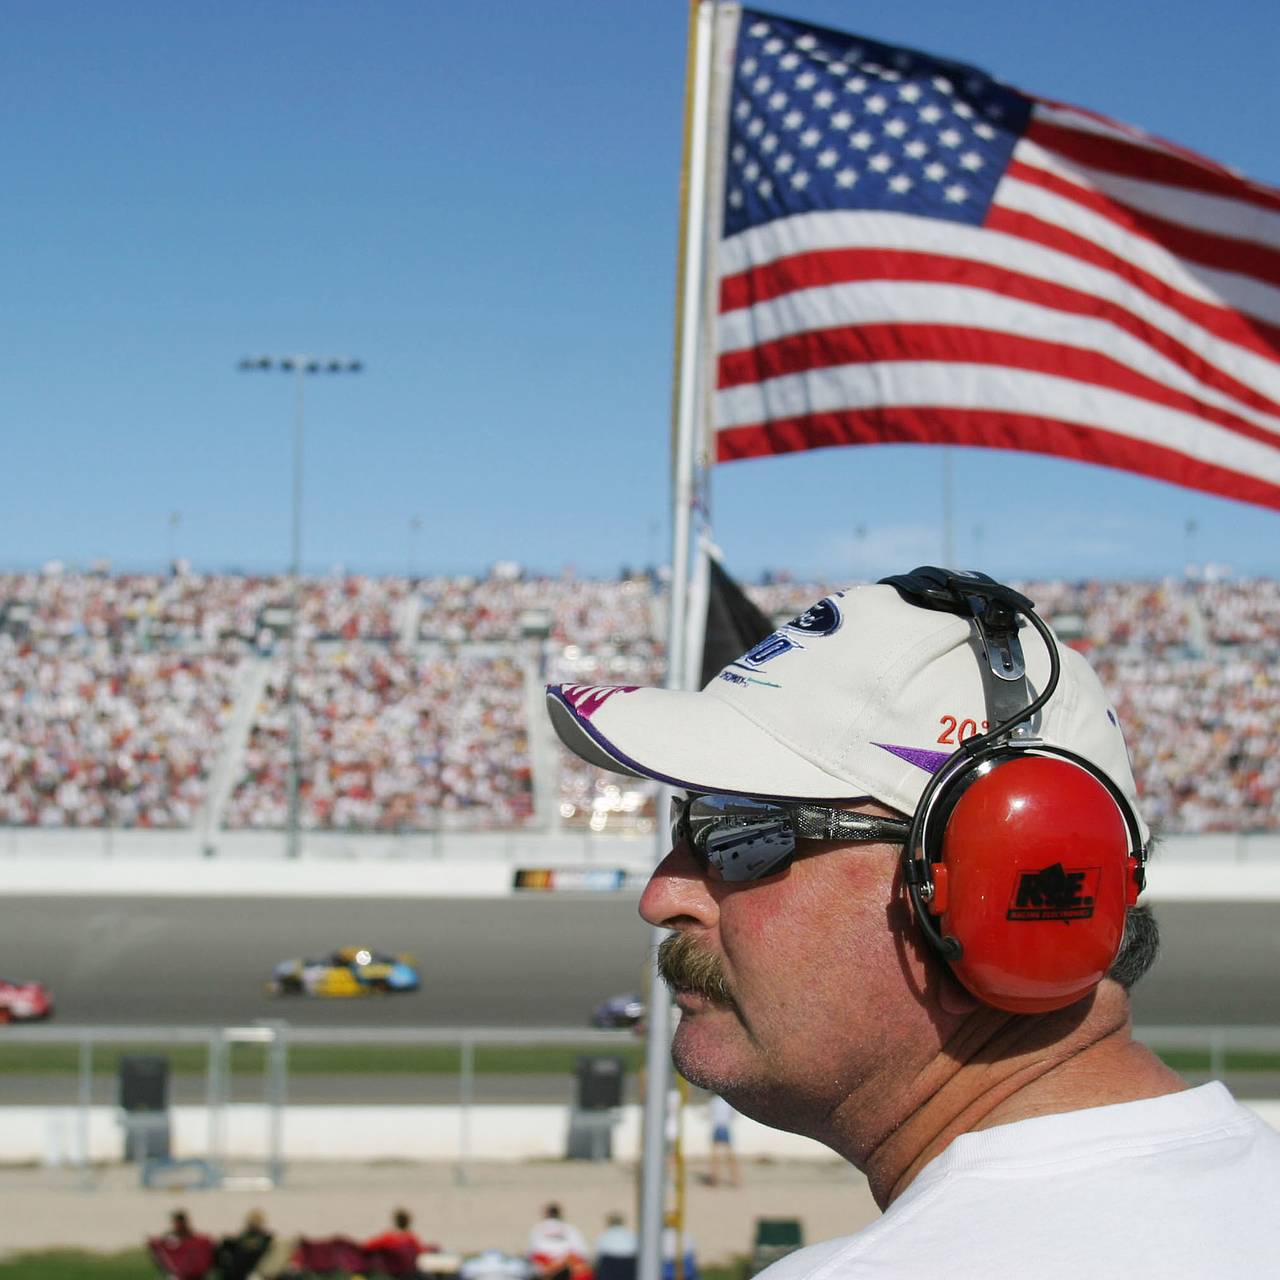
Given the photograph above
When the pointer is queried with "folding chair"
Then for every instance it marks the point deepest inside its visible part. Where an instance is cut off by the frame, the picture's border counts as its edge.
(399, 1260)
(181, 1257)
(334, 1256)
(775, 1238)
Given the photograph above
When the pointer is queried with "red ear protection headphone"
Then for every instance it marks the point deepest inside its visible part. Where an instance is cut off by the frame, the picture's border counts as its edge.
(1022, 857)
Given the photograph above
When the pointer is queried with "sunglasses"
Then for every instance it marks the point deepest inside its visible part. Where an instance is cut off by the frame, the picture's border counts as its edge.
(743, 838)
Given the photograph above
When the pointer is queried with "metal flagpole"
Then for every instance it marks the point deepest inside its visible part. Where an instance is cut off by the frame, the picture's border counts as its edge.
(948, 508)
(688, 334)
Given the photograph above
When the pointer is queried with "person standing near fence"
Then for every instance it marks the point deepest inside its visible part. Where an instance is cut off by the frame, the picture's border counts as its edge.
(722, 1115)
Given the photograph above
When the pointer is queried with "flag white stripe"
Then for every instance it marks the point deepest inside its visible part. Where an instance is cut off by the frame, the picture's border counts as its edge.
(1071, 119)
(1196, 210)
(999, 390)
(1244, 293)
(904, 302)
(838, 229)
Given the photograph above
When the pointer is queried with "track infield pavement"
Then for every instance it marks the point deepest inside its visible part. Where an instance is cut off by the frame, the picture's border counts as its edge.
(494, 1208)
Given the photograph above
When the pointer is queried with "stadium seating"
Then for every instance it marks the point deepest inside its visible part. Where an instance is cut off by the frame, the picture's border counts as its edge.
(122, 696)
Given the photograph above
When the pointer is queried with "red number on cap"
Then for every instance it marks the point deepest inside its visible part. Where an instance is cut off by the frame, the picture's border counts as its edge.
(956, 730)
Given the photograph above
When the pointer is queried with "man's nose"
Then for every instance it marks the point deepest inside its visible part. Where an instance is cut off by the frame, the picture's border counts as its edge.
(678, 893)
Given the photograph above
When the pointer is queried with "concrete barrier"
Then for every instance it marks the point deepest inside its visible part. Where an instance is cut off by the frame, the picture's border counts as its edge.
(72, 875)
(56, 1136)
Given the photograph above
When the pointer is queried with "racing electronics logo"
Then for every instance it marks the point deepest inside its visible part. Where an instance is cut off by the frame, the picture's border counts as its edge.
(1055, 893)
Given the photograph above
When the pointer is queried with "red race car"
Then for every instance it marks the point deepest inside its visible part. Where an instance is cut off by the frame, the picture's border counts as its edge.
(24, 1001)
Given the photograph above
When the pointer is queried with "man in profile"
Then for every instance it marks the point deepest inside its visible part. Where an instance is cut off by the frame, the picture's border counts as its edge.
(900, 895)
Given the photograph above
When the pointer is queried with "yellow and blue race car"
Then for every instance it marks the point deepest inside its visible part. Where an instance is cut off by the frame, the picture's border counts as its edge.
(349, 971)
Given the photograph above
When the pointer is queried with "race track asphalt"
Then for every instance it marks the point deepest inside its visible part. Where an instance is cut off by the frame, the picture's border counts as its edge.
(541, 962)
(528, 962)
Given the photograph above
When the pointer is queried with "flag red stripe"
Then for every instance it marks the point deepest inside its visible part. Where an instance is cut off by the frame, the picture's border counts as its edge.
(1245, 331)
(1205, 247)
(953, 344)
(1028, 433)
(1116, 156)
(845, 266)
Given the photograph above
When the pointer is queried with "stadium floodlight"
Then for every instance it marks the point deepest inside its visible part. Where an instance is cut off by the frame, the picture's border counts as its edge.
(299, 366)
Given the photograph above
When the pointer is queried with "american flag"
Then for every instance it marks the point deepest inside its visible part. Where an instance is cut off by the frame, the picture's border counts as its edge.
(914, 252)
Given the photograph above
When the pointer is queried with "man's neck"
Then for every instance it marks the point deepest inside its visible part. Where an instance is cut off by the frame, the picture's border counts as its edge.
(997, 1069)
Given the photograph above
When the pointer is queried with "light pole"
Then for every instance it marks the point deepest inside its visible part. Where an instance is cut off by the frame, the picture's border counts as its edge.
(299, 366)
(415, 528)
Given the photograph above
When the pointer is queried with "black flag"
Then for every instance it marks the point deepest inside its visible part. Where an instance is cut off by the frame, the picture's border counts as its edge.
(734, 624)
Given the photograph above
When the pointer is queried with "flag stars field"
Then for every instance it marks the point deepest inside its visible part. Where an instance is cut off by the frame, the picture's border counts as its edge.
(1107, 296)
(842, 100)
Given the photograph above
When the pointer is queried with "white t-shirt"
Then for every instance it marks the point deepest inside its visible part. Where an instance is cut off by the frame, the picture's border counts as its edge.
(554, 1239)
(1177, 1187)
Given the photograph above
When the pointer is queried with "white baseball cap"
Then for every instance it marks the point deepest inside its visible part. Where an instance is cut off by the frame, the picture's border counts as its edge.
(862, 696)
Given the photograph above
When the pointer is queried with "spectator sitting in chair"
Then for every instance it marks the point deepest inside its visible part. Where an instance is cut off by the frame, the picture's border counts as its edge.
(179, 1226)
(237, 1256)
(616, 1249)
(557, 1249)
(399, 1236)
(677, 1242)
(181, 1253)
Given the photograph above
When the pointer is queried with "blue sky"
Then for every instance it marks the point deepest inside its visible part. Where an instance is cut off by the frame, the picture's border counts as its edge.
(479, 201)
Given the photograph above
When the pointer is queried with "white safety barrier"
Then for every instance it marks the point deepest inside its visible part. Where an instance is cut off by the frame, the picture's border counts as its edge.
(1252, 875)
(53, 1135)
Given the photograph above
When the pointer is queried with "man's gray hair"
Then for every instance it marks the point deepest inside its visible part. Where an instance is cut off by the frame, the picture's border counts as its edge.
(1141, 940)
(1138, 947)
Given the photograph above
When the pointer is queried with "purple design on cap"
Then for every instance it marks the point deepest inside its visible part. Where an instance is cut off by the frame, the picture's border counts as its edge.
(1111, 715)
(929, 761)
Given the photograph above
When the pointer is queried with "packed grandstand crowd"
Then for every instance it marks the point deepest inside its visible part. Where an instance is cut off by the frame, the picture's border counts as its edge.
(119, 694)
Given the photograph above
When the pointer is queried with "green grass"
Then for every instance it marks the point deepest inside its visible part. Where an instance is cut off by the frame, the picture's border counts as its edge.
(314, 1059)
(72, 1264)
(735, 1270)
(351, 1059)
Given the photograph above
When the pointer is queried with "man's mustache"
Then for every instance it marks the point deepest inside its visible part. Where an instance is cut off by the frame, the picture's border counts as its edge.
(685, 966)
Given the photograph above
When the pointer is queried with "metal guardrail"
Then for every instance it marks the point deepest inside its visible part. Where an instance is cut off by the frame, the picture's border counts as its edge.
(277, 1037)
(1207, 1036)
(1219, 1041)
